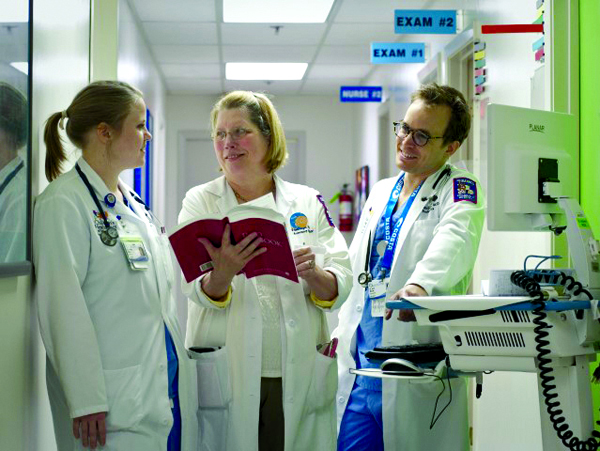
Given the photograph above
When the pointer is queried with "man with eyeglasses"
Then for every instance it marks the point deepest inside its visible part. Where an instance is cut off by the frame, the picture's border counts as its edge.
(418, 235)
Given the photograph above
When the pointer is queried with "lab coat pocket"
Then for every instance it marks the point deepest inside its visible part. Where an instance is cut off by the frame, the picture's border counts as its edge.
(214, 398)
(323, 386)
(124, 398)
(214, 385)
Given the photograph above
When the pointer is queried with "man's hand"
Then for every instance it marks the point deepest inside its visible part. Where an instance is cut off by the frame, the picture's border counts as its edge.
(91, 428)
(407, 291)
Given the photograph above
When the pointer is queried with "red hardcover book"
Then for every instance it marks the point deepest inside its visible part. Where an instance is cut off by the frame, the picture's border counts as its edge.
(243, 220)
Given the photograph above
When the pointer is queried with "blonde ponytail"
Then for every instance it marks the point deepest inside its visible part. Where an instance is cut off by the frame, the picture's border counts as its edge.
(55, 152)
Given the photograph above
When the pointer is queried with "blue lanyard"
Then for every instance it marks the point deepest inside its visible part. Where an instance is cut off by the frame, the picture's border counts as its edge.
(392, 238)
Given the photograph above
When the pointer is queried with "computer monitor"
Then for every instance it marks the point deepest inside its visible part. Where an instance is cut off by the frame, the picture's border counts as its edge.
(526, 147)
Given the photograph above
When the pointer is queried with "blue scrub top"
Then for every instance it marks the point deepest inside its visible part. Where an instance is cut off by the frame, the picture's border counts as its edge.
(369, 332)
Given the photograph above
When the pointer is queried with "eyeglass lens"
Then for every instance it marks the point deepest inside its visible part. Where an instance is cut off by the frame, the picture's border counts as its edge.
(402, 130)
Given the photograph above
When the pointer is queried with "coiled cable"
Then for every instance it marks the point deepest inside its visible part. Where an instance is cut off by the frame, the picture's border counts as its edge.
(564, 432)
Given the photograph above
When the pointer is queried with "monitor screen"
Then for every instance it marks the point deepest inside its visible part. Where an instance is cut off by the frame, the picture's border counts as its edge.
(525, 147)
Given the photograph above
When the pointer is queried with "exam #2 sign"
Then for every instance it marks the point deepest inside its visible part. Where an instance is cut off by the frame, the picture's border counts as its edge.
(423, 21)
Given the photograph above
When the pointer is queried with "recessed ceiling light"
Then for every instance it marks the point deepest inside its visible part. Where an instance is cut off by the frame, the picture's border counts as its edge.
(276, 11)
(22, 66)
(265, 71)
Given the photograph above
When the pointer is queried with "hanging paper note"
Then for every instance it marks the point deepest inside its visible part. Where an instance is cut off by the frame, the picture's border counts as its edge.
(479, 55)
(479, 63)
(539, 54)
(537, 44)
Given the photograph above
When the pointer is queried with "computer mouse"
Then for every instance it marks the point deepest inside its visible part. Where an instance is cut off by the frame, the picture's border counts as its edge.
(401, 367)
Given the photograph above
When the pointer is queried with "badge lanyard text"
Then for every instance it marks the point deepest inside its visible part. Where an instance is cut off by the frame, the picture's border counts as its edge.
(392, 238)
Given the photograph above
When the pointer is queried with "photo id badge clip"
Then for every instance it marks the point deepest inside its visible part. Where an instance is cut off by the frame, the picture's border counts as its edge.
(136, 252)
(377, 290)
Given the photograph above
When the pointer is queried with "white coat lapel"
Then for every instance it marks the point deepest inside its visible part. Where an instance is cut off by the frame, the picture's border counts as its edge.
(225, 198)
(285, 197)
(414, 212)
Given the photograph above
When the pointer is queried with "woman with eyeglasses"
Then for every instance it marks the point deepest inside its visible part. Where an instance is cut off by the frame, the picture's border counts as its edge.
(258, 338)
(418, 235)
(117, 371)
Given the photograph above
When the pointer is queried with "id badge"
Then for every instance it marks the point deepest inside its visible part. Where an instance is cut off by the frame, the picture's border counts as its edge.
(377, 290)
(135, 252)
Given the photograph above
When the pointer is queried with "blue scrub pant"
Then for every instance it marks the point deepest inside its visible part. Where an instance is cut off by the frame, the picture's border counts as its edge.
(174, 441)
(362, 423)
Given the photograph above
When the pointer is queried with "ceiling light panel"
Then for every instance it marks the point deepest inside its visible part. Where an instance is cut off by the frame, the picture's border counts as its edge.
(21, 66)
(265, 71)
(276, 11)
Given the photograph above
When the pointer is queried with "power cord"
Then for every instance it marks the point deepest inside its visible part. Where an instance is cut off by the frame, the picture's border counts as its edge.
(563, 430)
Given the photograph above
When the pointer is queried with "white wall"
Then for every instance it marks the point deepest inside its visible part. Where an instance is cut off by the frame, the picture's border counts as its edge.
(136, 66)
(329, 139)
(61, 39)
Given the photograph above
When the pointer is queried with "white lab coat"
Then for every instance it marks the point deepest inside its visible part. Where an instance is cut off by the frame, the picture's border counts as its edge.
(229, 379)
(102, 323)
(436, 250)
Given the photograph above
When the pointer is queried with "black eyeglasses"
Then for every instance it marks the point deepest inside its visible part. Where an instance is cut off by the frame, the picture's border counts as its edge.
(419, 137)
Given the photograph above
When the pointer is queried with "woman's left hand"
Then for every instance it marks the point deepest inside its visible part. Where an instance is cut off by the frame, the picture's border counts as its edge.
(305, 260)
(322, 283)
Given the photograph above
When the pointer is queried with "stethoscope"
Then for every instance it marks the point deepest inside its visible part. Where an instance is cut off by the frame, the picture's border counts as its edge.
(11, 176)
(444, 174)
(110, 235)
(365, 277)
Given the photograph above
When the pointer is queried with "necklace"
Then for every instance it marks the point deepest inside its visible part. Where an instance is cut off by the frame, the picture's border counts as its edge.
(243, 200)
(239, 197)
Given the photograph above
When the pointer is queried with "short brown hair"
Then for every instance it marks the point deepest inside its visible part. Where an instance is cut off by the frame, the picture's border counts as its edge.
(460, 117)
(101, 101)
(264, 116)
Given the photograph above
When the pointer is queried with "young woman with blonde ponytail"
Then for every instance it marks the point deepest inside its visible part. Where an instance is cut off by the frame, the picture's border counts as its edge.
(118, 375)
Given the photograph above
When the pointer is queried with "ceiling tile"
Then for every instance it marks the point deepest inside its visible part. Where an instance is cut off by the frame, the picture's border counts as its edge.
(191, 70)
(178, 11)
(183, 33)
(263, 34)
(338, 71)
(275, 87)
(186, 53)
(378, 11)
(338, 54)
(349, 34)
(327, 87)
(176, 85)
(268, 54)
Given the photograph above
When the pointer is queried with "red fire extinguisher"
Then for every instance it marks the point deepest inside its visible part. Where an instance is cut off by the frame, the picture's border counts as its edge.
(346, 209)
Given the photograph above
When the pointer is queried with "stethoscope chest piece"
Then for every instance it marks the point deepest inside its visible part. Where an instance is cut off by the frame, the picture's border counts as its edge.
(364, 278)
(109, 236)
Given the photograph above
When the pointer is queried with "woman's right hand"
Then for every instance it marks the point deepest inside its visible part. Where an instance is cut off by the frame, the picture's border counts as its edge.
(91, 428)
(228, 260)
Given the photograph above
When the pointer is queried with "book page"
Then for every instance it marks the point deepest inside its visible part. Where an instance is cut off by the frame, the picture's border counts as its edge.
(245, 211)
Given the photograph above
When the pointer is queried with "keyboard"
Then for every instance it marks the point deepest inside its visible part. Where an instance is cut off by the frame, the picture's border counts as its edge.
(417, 353)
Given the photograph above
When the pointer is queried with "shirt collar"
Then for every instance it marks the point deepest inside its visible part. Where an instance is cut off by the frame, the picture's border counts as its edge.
(95, 180)
(11, 166)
